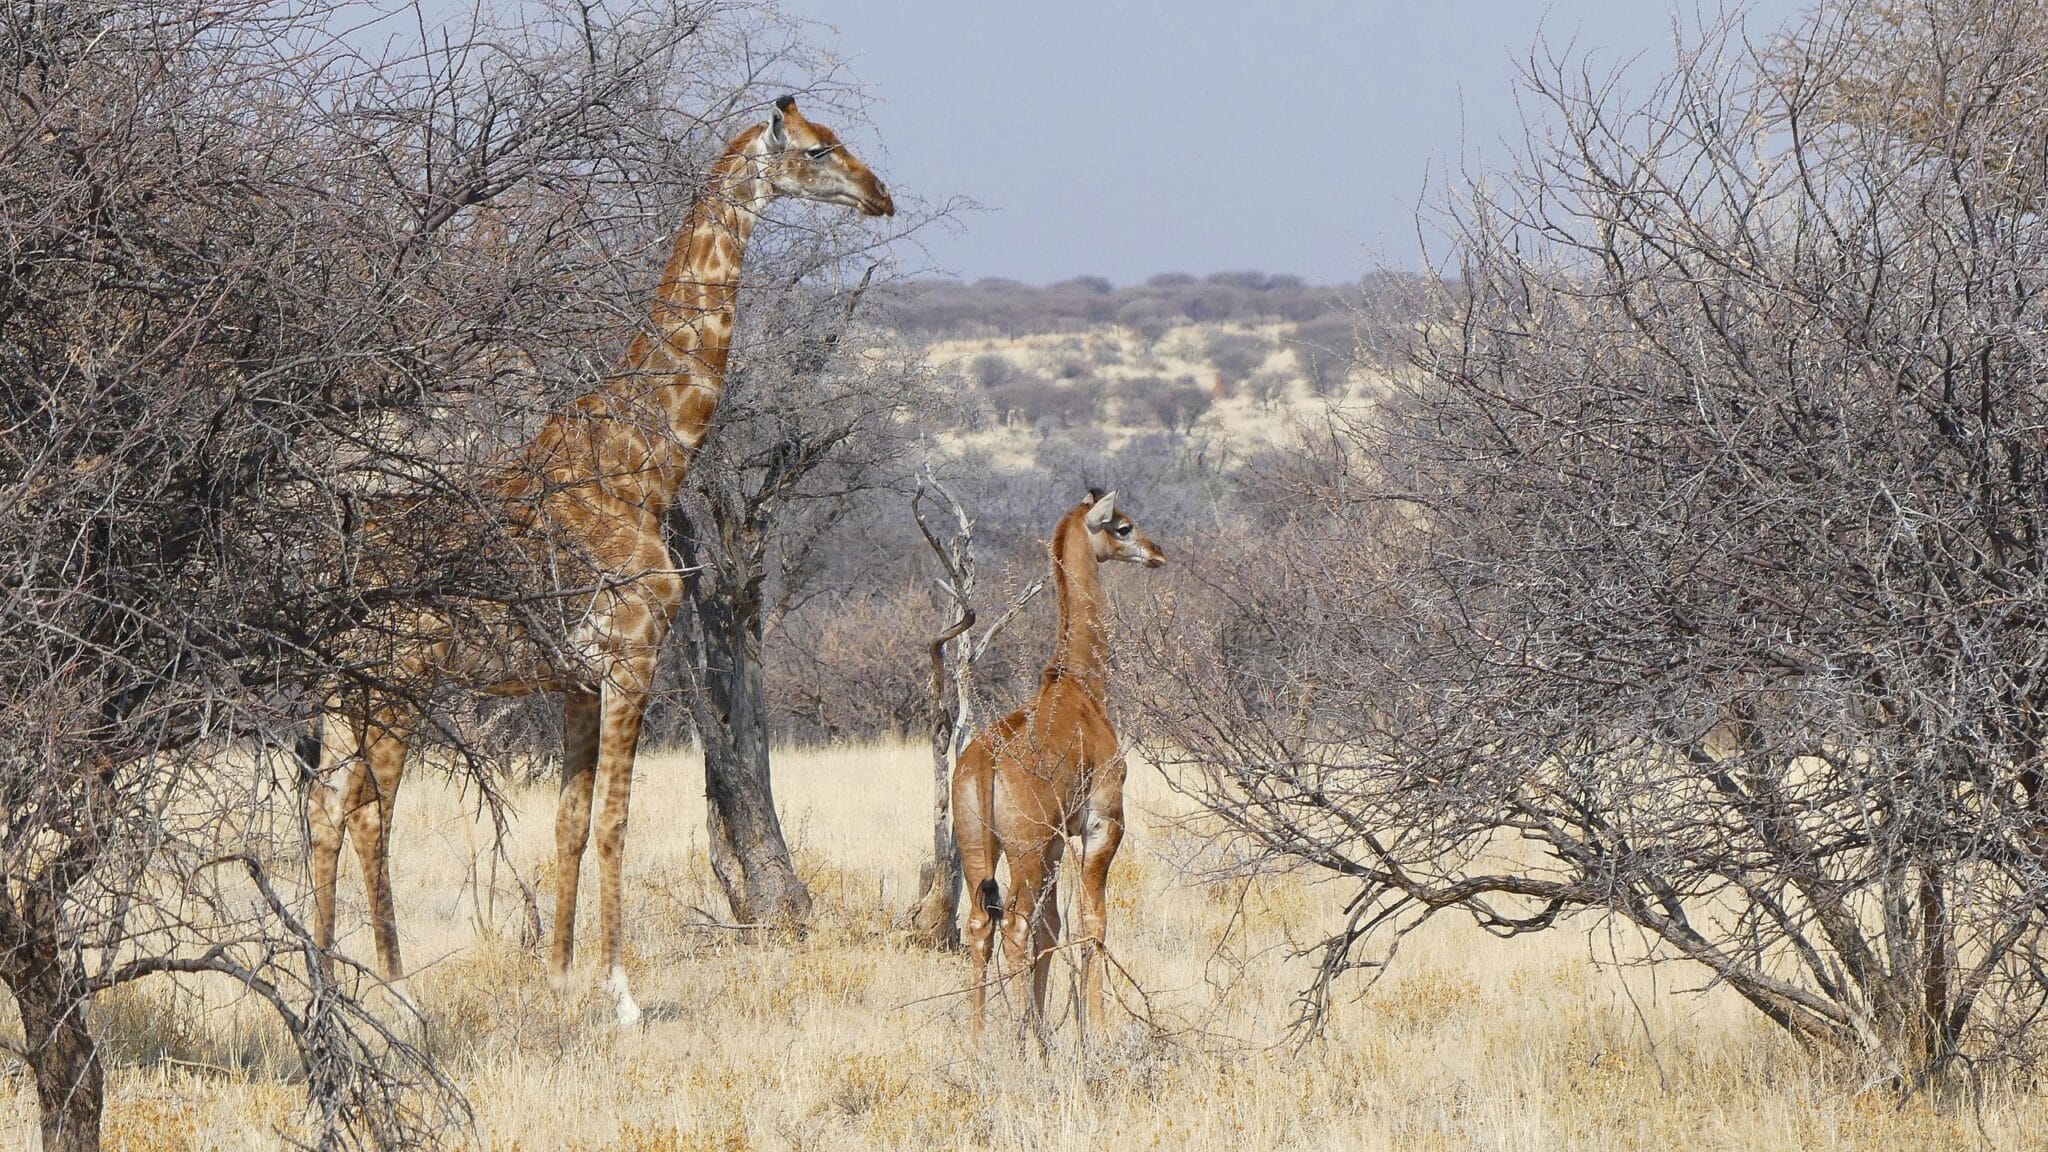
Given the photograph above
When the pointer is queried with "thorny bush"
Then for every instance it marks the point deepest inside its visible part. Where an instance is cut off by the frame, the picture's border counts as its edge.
(260, 266)
(1696, 573)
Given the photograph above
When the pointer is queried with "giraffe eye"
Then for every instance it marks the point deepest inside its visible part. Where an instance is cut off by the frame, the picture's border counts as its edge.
(820, 152)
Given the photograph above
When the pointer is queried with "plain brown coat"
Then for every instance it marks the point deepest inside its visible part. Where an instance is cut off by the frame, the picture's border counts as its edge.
(1048, 771)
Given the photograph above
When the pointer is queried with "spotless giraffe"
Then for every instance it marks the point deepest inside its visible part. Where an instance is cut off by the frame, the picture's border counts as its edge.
(1048, 771)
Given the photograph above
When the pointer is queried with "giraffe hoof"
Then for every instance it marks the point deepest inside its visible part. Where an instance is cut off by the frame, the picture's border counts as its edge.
(629, 1011)
(412, 1021)
(403, 991)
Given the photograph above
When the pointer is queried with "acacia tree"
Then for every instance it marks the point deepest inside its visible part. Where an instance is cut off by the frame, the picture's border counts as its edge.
(162, 346)
(1694, 576)
(808, 437)
(253, 279)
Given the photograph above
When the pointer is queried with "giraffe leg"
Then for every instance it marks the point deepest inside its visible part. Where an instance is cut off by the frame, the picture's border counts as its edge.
(1045, 935)
(572, 825)
(339, 782)
(620, 737)
(978, 855)
(983, 915)
(1101, 833)
(369, 821)
(1027, 892)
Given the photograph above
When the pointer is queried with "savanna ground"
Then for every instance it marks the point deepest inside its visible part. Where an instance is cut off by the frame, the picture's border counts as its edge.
(846, 1038)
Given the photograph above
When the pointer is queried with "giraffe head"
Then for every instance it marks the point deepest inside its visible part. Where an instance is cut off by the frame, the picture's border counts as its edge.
(1114, 536)
(804, 159)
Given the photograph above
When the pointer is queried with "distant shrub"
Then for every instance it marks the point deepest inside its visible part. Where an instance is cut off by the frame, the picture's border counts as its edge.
(1035, 400)
(1250, 281)
(1213, 302)
(1175, 405)
(952, 309)
(993, 371)
(1088, 396)
(1184, 344)
(1182, 404)
(1236, 355)
(1010, 400)
(1327, 348)
(1134, 399)
(1149, 319)
(1069, 451)
(1267, 388)
(975, 412)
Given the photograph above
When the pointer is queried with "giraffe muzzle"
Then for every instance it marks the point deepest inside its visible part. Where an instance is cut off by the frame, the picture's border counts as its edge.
(878, 202)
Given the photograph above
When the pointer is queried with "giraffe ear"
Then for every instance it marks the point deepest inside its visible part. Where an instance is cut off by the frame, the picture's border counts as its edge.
(1099, 515)
(778, 133)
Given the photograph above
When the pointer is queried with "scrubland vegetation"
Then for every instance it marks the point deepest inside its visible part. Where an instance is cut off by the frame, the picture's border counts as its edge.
(848, 1037)
(1595, 700)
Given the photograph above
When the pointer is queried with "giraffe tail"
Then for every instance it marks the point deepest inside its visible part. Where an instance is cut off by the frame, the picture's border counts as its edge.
(991, 899)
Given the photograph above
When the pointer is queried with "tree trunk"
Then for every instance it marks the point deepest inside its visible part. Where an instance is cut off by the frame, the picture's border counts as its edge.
(1937, 959)
(748, 853)
(934, 921)
(50, 993)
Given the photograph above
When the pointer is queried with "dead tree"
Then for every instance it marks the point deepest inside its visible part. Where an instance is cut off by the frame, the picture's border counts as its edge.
(934, 919)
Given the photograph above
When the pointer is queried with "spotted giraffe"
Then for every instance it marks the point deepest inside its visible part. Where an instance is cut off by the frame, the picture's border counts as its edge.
(581, 506)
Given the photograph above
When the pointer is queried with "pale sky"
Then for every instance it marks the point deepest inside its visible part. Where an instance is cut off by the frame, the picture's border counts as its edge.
(1124, 139)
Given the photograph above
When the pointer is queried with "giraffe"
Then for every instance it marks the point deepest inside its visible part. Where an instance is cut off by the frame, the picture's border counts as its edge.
(583, 505)
(1048, 771)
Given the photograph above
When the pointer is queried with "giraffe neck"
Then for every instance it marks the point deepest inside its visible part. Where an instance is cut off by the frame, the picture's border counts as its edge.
(1080, 653)
(674, 372)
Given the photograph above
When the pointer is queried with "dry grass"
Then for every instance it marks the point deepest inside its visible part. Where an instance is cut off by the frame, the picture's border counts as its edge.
(831, 1041)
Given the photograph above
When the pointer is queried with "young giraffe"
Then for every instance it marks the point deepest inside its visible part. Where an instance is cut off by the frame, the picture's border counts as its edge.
(1048, 771)
(584, 503)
